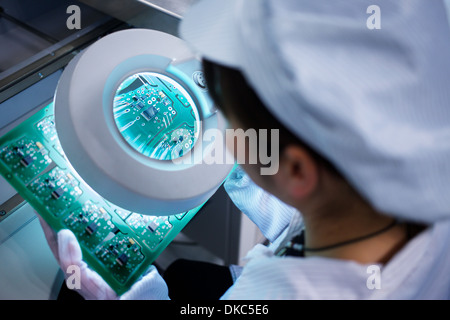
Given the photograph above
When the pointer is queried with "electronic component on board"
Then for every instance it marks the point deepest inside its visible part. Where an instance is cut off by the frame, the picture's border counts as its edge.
(26, 161)
(56, 194)
(92, 228)
(150, 113)
(122, 259)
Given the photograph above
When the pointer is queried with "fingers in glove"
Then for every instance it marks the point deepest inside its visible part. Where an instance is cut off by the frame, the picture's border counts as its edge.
(151, 287)
(88, 282)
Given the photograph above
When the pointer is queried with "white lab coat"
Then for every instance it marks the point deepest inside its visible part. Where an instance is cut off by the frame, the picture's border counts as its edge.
(421, 270)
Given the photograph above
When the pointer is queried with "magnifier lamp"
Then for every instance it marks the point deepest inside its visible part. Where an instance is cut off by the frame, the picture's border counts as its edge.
(130, 112)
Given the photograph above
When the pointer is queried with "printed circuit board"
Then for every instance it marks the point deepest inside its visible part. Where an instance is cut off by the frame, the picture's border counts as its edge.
(156, 116)
(118, 244)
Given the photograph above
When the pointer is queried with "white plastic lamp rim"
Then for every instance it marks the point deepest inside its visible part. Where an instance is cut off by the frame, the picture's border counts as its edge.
(94, 146)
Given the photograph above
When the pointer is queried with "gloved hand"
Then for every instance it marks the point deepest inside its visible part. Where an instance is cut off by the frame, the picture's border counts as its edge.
(67, 252)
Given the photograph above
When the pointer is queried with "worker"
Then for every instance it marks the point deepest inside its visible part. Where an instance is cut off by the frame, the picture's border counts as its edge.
(359, 207)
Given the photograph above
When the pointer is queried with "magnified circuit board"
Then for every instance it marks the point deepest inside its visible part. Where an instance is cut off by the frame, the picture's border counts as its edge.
(118, 244)
(156, 116)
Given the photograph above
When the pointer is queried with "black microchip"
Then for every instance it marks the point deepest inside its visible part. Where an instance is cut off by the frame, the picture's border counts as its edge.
(92, 228)
(56, 194)
(26, 161)
(150, 113)
(122, 259)
(140, 105)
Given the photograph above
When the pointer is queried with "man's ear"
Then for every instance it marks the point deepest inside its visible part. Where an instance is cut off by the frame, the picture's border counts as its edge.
(298, 174)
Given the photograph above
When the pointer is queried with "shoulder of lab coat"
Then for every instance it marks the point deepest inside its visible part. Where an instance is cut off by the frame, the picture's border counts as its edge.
(421, 270)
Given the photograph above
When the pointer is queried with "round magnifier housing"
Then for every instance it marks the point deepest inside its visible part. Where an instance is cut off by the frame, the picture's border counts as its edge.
(131, 119)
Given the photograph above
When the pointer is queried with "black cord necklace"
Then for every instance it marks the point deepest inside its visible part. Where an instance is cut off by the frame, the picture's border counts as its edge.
(296, 247)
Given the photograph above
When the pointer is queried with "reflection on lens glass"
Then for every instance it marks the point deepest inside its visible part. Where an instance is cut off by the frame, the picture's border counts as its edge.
(156, 116)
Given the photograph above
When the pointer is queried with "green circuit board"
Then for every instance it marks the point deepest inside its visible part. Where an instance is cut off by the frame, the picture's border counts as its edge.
(118, 244)
(156, 116)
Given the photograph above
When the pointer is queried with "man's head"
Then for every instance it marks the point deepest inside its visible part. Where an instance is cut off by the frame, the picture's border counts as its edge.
(303, 174)
(373, 101)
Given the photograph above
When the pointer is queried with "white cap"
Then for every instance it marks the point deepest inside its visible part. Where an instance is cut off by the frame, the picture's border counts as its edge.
(375, 102)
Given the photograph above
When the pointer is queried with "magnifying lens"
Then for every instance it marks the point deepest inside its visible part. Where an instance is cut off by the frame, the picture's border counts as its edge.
(156, 116)
(131, 112)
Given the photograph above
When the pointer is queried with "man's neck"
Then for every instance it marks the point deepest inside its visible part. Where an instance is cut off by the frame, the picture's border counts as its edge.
(342, 221)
